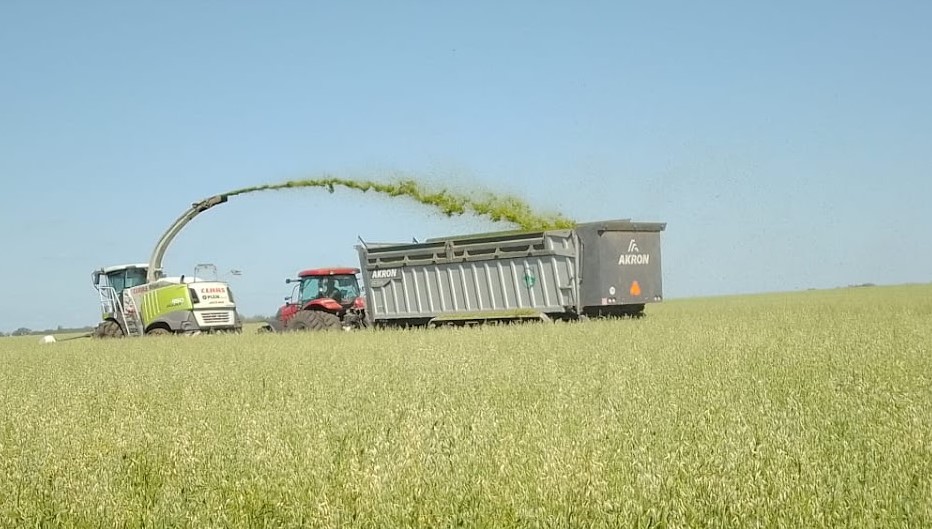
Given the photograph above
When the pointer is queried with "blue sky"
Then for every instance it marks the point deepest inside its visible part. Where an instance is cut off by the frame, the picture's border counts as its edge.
(788, 145)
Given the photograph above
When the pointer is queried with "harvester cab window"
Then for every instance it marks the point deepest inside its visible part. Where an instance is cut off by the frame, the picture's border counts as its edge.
(123, 279)
(135, 277)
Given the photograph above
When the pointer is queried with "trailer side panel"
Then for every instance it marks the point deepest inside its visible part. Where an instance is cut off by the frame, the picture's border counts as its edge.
(487, 279)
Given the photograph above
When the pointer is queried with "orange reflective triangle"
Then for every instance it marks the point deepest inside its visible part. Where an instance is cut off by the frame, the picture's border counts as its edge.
(635, 289)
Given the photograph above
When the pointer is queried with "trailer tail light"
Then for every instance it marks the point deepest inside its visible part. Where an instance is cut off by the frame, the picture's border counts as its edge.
(635, 289)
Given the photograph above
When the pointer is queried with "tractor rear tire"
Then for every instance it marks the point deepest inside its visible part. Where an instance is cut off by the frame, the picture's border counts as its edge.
(314, 320)
(108, 329)
(158, 331)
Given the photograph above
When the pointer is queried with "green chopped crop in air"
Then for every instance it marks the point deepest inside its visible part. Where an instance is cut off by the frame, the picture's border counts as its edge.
(494, 207)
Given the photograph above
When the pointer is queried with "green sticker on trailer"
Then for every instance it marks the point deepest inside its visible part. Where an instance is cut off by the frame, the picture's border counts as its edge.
(529, 279)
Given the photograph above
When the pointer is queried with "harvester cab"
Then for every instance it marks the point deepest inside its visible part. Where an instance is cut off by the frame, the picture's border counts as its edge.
(118, 309)
(323, 299)
(119, 278)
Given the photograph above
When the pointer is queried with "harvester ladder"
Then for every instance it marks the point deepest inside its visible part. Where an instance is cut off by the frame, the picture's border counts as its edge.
(127, 316)
(129, 312)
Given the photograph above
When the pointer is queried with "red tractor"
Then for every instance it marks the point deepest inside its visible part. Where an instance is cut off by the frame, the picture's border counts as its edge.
(324, 299)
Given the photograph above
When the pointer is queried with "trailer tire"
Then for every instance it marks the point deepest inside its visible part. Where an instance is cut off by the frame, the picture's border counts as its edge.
(108, 329)
(313, 320)
(614, 311)
(355, 319)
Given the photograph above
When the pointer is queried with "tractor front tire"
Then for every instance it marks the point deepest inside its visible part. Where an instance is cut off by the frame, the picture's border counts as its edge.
(108, 329)
(314, 320)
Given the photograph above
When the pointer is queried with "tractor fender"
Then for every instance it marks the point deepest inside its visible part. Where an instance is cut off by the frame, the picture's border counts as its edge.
(324, 304)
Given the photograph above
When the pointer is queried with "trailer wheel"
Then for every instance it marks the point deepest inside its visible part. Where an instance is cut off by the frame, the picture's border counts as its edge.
(108, 329)
(614, 311)
(313, 320)
(355, 319)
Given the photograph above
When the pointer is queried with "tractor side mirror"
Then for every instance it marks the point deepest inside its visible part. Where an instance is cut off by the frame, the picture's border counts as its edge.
(95, 278)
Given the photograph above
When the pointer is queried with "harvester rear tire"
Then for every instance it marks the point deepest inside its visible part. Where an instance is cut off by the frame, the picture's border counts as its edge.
(158, 331)
(314, 320)
(108, 329)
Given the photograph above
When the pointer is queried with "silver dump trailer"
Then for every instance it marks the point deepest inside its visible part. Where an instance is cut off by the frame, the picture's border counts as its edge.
(608, 268)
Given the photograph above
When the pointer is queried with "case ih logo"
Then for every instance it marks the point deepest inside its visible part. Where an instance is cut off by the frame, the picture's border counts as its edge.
(385, 274)
(634, 255)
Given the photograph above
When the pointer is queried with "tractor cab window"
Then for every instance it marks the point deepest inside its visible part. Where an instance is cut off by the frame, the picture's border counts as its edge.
(348, 286)
(310, 288)
(338, 287)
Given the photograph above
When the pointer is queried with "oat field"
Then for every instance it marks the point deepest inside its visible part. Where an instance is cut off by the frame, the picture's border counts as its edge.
(810, 409)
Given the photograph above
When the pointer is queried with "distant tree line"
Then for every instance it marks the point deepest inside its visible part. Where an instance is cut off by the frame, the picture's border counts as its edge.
(26, 331)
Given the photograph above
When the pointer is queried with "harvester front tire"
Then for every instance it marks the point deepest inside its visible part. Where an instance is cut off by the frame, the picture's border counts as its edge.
(108, 329)
(314, 320)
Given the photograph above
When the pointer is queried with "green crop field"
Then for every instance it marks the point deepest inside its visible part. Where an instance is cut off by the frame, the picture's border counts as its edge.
(811, 409)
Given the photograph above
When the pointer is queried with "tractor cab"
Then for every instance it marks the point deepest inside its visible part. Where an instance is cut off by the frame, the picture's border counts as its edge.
(337, 284)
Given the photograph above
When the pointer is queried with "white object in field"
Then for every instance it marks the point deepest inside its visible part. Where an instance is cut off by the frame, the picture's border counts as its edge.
(48, 339)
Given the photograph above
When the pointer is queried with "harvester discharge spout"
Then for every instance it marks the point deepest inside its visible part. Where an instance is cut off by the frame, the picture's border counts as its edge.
(155, 262)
